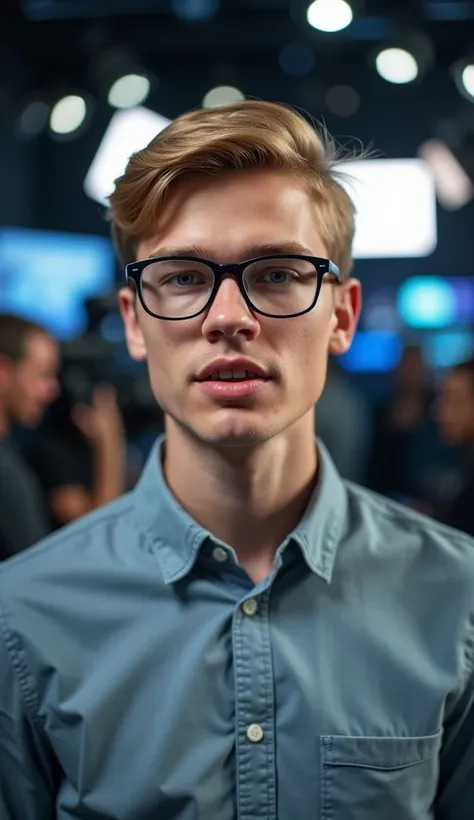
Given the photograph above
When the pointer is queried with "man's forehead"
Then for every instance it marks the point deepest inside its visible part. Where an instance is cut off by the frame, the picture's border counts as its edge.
(40, 346)
(241, 209)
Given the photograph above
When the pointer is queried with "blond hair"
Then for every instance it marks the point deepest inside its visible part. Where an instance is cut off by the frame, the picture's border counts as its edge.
(236, 137)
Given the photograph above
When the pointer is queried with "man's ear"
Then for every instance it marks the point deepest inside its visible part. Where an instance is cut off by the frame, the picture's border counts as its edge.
(347, 306)
(128, 304)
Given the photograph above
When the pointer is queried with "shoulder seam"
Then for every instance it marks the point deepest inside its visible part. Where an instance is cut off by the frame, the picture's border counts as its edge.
(76, 530)
(406, 516)
(20, 669)
(469, 653)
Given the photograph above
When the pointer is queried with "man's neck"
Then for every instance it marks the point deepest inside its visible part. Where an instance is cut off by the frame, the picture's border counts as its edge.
(250, 499)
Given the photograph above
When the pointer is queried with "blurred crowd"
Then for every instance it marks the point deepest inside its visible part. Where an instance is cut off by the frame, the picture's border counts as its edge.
(60, 459)
(416, 446)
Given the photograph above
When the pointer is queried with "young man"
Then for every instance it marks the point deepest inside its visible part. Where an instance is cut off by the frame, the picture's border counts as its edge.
(29, 362)
(455, 416)
(244, 635)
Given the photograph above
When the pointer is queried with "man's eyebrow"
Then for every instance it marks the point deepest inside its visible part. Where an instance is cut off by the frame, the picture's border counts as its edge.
(249, 252)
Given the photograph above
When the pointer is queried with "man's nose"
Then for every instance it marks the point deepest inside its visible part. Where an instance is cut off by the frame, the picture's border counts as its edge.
(229, 313)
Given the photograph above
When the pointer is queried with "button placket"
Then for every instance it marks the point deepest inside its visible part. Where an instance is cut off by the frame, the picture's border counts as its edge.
(220, 555)
(250, 607)
(255, 710)
(255, 733)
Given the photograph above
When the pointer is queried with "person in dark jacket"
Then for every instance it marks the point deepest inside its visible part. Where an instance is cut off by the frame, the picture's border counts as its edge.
(29, 362)
(455, 415)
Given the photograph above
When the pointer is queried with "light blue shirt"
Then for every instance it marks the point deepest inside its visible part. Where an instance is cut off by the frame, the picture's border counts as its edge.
(143, 676)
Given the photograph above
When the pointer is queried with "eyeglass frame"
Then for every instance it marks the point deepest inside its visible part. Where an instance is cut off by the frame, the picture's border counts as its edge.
(134, 271)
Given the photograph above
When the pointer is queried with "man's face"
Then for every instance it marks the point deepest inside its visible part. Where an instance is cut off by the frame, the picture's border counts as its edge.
(228, 217)
(454, 408)
(32, 384)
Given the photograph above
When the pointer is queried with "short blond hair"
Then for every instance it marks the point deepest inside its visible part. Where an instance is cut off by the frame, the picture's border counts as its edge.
(238, 137)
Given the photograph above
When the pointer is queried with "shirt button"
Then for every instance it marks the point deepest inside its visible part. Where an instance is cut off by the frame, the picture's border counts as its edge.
(255, 733)
(250, 607)
(219, 555)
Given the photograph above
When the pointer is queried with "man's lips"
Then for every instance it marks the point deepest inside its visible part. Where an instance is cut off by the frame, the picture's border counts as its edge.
(232, 390)
(232, 370)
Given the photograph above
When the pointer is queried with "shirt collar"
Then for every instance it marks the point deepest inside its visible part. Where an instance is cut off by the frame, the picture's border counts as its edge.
(177, 538)
(170, 531)
(324, 523)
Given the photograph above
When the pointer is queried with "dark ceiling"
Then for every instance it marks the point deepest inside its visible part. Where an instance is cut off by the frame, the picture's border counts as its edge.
(50, 31)
(50, 46)
(441, 10)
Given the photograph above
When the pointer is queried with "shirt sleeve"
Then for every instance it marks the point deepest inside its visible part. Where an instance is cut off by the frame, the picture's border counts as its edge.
(455, 799)
(27, 783)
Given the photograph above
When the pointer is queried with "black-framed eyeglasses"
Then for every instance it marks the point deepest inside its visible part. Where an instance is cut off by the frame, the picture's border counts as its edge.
(181, 287)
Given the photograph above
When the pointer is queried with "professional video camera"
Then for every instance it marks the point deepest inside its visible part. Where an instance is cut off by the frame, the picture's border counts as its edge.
(101, 356)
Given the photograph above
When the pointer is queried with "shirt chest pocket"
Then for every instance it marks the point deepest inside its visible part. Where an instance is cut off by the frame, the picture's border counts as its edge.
(365, 778)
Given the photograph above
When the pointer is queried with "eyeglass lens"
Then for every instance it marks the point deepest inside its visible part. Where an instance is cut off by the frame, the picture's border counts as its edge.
(177, 288)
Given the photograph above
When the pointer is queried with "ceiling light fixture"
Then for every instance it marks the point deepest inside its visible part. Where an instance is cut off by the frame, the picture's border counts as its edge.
(329, 15)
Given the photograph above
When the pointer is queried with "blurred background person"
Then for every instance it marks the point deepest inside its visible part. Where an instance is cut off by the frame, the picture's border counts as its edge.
(29, 363)
(79, 455)
(404, 437)
(454, 412)
(343, 422)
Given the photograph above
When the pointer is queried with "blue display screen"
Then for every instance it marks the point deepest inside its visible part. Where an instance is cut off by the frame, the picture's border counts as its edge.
(436, 312)
(373, 351)
(46, 276)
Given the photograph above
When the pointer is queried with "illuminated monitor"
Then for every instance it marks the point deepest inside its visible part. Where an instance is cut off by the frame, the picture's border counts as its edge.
(373, 351)
(46, 276)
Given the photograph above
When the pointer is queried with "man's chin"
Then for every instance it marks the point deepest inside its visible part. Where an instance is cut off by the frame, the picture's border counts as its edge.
(234, 432)
(235, 438)
(228, 428)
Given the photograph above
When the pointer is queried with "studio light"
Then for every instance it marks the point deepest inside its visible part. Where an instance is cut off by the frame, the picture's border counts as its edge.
(329, 15)
(68, 115)
(128, 131)
(129, 90)
(463, 72)
(468, 79)
(395, 203)
(222, 95)
(396, 65)
(407, 59)
(121, 77)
